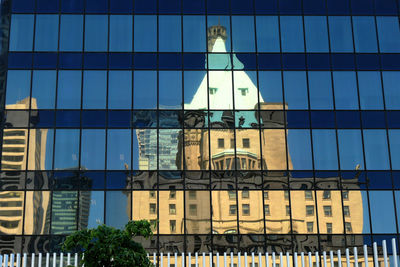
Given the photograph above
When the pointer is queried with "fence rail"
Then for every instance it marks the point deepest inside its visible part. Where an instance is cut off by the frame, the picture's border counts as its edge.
(353, 258)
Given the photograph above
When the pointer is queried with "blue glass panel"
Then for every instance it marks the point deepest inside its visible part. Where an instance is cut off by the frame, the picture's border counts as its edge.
(294, 61)
(120, 60)
(299, 147)
(93, 180)
(170, 61)
(23, 6)
(46, 33)
(18, 86)
(93, 118)
(47, 6)
(367, 61)
(116, 180)
(69, 89)
(385, 7)
(44, 88)
(316, 34)
(318, 61)
(249, 61)
(193, 7)
(365, 34)
(373, 119)
(266, 7)
(194, 34)
(121, 6)
(144, 119)
(72, 6)
(393, 119)
(96, 32)
(270, 86)
(389, 34)
(19, 60)
(145, 61)
(292, 34)
(322, 119)
(345, 88)
(267, 34)
(170, 89)
(348, 119)
(295, 88)
(243, 34)
(120, 33)
(376, 149)
(119, 119)
(338, 7)
(394, 140)
(21, 33)
(93, 149)
(396, 183)
(314, 7)
(120, 90)
(68, 118)
(370, 88)
(170, 33)
(71, 33)
(66, 152)
(145, 90)
(350, 149)
(224, 21)
(379, 180)
(193, 61)
(340, 34)
(269, 61)
(95, 60)
(45, 119)
(117, 211)
(94, 89)
(218, 7)
(382, 212)
(143, 7)
(343, 61)
(362, 7)
(70, 60)
(320, 86)
(169, 6)
(391, 85)
(145, 36)
(290, 7)
(298, 119)
(242, 7)
(45, 61)
(96, 6)
(325, 149)
(390, 61)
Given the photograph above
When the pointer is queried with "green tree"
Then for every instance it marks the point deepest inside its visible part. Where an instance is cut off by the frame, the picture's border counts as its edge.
(106, 246)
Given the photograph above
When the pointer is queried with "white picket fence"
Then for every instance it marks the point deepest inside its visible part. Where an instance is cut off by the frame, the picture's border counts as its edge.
(273, 259)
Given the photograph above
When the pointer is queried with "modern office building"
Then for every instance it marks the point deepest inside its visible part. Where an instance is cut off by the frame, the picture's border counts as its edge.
(232, 125)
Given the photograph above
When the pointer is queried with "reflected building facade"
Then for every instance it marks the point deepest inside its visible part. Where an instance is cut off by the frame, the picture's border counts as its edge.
(230, 125)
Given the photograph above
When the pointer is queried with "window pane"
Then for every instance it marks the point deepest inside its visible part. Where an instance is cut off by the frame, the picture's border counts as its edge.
(340, 34)
(370, 90)
(223, 21)
(44, 88)
(118, 149)
(382, 212)
(18, 86)
(376, 150)
(224, 217)
(145, 36)
(391, 85)
(37, 209)
(325, 149)
(296, 95)
(69, 89)
(292, 34)
(243, 34)
(64, 203)
(320, 85)
(197, 222)
(365, 34)
(66, 153)
(246, 94)
(170, 89)
(345, 86)
(46, 33)
(120, 89)
(194, 34)
(394, 140)
(96, 33)
(389, 34)
(316, 34)
(170, 36)
(94, 89)
(299, 149)
(270, 86)
(194, 83)
(93, 149)
(21, 33)
(71, 33)
(120, 33)
(350, 149)
(267, 34)
(145, 90)
(94, 200)
(118, 211)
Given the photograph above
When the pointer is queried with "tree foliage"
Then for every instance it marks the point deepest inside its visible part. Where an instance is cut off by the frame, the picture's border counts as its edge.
(106, 246)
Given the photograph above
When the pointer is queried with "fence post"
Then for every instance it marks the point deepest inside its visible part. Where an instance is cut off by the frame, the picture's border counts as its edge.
(273, 259)
(339, 256)
(287, 259)
(225, 260)
(25, 260)
(33, 260)
(189, 259)
(40, 260)
(375, 247)
(324, 258)
(295, 259)
(217, 258)
(239, 265)
(204, 259)
(355, 257)
(384, 248)
(394, 249)
(365, 256)
(161, 259)
(245, 260)
(316, 259)
(76, 260)
(47, 259)
(6, 260)
(197, 260)
(266, 259)
(331, 258)
(18, 260)
(309, 259)
(302, 259)
(12, 256)
(259, 259)
(231, 260)
(54, 259)
(176, 259)
(347, 257)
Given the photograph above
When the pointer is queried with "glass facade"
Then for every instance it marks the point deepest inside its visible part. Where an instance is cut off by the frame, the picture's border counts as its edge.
(261, 125)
